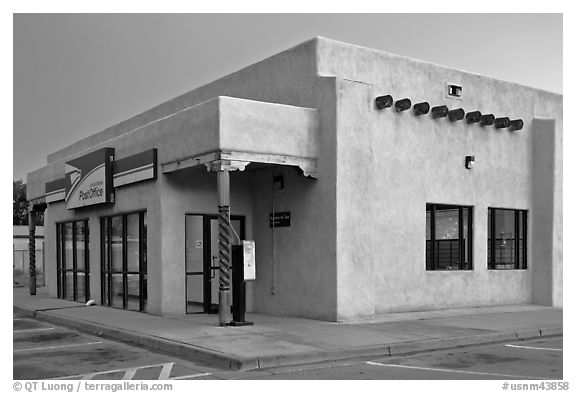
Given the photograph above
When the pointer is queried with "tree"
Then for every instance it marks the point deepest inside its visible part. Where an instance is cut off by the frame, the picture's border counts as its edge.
(19, 203)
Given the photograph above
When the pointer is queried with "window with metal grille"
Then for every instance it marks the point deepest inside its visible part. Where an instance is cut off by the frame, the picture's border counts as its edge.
(507, 234)
(448, 237)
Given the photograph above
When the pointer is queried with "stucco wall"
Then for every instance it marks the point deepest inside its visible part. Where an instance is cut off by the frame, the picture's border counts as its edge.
(391, 164)
(258, 127)
(550, 106)
(357, 209)
(300, 261)
(547, 277)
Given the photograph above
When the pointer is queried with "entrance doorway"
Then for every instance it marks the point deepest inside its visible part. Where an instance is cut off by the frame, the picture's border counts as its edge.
(201, 260)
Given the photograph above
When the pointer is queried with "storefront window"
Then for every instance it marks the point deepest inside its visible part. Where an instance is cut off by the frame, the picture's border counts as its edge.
(72, 254)
(124, 261)
(506, 239)
(116, 243)
(80, 245)
(132, 242)
(448, 237)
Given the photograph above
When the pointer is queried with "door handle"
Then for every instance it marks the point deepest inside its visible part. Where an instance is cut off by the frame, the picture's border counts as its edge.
(212, 267)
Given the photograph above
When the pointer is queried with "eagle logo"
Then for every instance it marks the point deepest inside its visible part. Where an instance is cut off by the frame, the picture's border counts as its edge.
(75, 177)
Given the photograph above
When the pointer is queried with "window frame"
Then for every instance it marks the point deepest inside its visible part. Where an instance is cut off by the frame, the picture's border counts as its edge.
(106, 269)
(63, 267)
(432, 263)
(518, 218)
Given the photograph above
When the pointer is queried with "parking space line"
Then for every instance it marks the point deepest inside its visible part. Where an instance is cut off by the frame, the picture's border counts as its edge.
(119, 370)
(129, 374)
(56, 347)
(166, 370)
(450, 371)
(33, 330)
(524, 347)
(192, 376)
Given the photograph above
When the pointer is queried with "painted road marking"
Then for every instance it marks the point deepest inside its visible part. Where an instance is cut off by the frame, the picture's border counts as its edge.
(166, 370)
(542, 349)
(118, 370)
(33, 330)
(56, 347)
(130, 372)
(450, 371)
(193, 376)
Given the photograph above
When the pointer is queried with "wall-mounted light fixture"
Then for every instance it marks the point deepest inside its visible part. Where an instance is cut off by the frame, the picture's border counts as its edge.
(469, 162)
(439, 111)
(502, 122)
(278, 182)
(516, 125)
(384, 102)
(421, 108)
(456, 114)
(473, 117)
(487, 120)
(403, 104)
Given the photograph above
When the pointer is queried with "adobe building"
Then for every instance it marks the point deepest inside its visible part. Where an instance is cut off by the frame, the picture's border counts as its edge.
(370, 183)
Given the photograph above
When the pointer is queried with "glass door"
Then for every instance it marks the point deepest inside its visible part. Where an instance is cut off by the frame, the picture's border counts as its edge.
(124, 261)
(202, 261)
(194, 243)
(73, 267)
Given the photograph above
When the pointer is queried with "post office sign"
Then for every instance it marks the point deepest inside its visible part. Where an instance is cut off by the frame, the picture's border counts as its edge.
(88, 179)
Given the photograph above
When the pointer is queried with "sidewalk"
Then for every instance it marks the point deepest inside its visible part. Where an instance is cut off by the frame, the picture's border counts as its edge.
(275, 341)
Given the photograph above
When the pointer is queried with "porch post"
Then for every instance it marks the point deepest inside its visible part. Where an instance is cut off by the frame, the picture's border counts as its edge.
(222, 169)
(32, 248)
(224, 248)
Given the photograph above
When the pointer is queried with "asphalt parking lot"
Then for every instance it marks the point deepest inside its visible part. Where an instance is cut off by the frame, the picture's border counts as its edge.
(45, 351)
(537, 359)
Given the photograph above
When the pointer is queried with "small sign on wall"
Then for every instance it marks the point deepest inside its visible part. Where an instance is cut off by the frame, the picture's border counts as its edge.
(199, 244)
(249, 248)
(279, 219)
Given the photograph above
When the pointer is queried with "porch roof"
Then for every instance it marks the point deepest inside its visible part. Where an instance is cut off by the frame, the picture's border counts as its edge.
(248, 131)
(221, 129)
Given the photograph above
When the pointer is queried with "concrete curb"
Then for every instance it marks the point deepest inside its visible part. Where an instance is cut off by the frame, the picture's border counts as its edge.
(405, 348)
(165, 345)
(224, 360)
(24, 311)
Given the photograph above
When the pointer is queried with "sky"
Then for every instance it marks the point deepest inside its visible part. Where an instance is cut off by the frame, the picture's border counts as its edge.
(77, 74)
